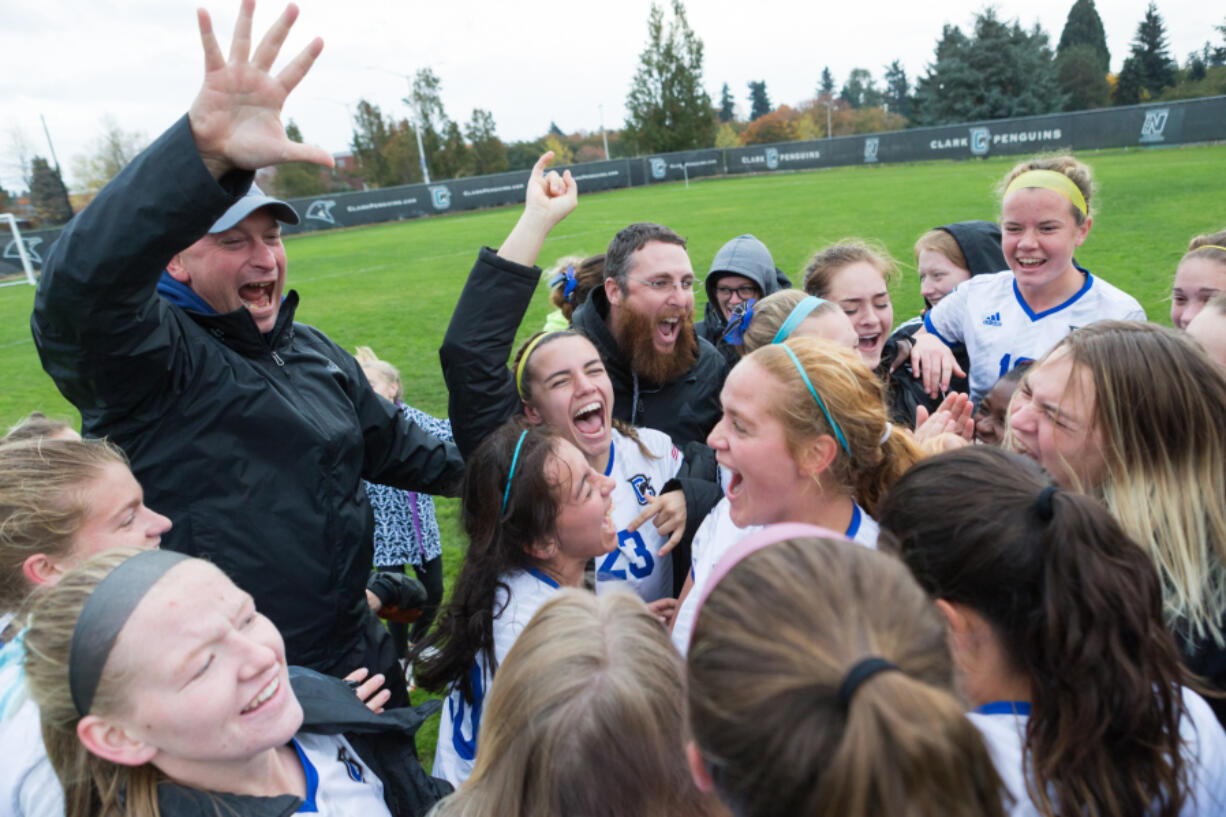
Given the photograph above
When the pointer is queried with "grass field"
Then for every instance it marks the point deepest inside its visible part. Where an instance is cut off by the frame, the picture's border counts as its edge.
(393, 286)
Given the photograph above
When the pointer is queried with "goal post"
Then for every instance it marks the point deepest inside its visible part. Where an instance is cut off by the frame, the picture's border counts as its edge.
(11, 220)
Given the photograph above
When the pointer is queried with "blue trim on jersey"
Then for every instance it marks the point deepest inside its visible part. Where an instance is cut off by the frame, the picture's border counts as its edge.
(1004, 708)
(854, 527)
(932, 329)
(1017, 293)
(312, 780)
(608, 469)
(543, 576)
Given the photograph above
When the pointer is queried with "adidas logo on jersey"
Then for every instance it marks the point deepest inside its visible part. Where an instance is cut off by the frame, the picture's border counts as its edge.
(992, 320)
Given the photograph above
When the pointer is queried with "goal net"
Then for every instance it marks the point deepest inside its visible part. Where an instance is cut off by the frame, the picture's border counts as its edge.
(14, 249)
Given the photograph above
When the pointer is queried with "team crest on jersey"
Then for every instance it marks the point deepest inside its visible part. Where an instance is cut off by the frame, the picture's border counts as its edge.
(643, 491)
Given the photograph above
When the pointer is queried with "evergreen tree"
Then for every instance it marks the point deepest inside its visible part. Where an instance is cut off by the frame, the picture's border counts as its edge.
(1084, 27)
(759, 102)
(897, 89)
(452, 160)
(488, 153)
(826, 89)
(999, 71)
(668, 109)
(48, 195)
(6, 201)
(727, 105)
(860, 90)
(1149, 68)
(1081, 78)
(297, 178)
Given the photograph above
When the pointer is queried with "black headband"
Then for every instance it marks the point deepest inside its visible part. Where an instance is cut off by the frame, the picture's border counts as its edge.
(105, 612)
(860, 673)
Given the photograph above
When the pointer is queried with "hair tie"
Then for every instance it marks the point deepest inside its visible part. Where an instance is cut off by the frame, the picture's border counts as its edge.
(838, 432)
(1208, 247)
(1052, 180)
(889, 429)
(742, 314)
(506, 494)
(107, 609)
(863, 670)
(523, 362)
(797, 316)
(1042, 503)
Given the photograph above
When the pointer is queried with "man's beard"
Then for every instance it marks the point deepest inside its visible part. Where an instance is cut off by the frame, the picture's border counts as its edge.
(635, 335)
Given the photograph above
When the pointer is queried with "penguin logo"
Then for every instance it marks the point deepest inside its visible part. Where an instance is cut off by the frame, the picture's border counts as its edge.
(659, 168)
(440, 197)
(870, 149)
(772, 158)
(641, 483)
(321, 210)
(11, 250)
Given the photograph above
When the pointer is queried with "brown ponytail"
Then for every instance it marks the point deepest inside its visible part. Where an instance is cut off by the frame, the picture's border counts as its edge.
(1077, 606)
(773, 643)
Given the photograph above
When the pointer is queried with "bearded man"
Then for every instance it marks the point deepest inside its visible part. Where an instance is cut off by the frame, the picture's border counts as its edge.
(642, 321)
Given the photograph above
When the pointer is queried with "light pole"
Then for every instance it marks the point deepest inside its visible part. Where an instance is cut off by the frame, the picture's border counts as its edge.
(604, 136)
(421, 150)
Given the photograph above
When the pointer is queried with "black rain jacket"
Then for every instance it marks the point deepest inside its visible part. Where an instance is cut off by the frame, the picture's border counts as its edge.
(254, 446)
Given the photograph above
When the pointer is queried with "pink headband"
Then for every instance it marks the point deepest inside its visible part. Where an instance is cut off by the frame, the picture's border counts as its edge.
(769, 535)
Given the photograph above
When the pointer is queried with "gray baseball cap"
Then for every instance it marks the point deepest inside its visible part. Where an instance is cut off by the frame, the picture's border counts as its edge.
(248, 204)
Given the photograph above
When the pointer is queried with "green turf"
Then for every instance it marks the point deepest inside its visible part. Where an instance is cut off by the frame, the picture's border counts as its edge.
(393, 286)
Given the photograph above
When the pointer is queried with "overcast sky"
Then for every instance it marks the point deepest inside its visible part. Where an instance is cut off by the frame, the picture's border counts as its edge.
(529, 62)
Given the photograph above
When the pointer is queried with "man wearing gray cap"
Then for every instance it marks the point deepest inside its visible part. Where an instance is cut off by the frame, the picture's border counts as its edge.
(742, 271)
(161, 316)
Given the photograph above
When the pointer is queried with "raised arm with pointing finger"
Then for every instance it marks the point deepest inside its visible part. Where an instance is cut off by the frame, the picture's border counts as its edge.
(161, 316)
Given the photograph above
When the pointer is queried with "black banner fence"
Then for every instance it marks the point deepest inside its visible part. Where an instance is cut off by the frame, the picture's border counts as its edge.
(1151, 125)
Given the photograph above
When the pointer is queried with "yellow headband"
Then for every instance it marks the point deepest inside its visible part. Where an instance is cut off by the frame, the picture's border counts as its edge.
(1050, 180)
(1209, 247)
(523, 360)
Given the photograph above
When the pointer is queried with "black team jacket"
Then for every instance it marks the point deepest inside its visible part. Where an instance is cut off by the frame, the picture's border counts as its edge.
(255, 446)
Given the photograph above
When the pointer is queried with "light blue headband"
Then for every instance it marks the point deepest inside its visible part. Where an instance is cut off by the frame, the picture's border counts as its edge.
(511, 473)
(838, 432)
(796, 317)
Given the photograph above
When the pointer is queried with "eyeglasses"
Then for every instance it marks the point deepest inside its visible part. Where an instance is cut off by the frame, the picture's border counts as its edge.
(744, 292)
(665, 284)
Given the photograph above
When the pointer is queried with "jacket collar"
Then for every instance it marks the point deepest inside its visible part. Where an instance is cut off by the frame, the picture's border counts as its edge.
(235, 329)
(329, 707)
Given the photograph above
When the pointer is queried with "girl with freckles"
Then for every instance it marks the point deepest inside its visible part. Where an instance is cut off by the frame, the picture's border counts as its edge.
(805, 437)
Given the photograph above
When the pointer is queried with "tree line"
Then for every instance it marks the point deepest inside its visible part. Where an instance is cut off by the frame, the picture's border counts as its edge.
(994, 69)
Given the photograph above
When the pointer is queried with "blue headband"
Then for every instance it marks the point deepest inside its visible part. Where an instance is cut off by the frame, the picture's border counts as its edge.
(511, 473)
(838, 432)
(742, 314)
(569, 278)
(796, 317)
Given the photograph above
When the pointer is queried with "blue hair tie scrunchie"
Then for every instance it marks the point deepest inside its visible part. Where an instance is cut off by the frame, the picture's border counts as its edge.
(742, 314)
(571, 282)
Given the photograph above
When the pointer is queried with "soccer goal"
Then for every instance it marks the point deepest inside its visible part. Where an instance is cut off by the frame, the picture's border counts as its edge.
(11, 220)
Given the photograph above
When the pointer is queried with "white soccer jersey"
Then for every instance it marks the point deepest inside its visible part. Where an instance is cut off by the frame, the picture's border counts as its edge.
(527, 591)
(989, 315)
(339, 783)
(717, 535)
(639, 478)
(1003, 725)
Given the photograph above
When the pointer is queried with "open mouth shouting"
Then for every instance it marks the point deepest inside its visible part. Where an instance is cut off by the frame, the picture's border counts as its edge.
(666, 331)
(589, 420)
(257, 296)
(867, 344)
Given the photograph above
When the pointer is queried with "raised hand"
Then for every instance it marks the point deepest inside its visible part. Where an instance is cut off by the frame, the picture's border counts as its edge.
(549, 199)
(236, 117)
(934, 362)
